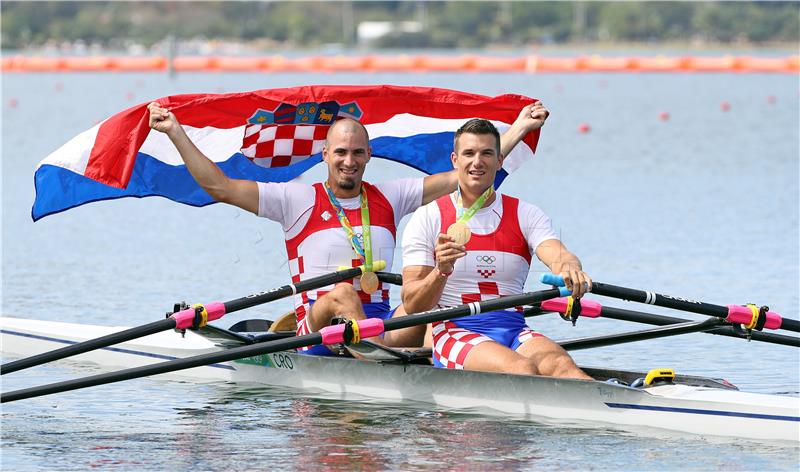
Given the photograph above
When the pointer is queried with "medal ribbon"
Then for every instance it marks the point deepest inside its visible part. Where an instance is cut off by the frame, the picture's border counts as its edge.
(365, 251)
(465, 215)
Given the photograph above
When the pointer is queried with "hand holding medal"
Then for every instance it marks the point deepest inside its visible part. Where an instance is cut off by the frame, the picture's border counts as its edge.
(459, 230)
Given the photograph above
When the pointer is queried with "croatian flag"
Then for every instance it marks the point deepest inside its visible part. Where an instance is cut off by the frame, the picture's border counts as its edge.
(266, 135)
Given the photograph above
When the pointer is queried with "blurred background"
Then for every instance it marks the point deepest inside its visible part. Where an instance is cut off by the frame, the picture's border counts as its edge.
(346, 26)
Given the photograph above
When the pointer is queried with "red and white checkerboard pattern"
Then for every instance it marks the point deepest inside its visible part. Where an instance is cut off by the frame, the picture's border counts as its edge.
(486, 291)
(451, 344)
(486, 273)
(282, 145)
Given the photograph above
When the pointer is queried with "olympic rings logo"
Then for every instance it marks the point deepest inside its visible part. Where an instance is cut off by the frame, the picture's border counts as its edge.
(486, 259)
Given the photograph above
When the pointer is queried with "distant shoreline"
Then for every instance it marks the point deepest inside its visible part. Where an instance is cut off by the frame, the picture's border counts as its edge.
(267, 48)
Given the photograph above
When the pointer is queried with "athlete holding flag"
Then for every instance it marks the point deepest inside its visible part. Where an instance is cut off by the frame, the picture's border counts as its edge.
(343, 221)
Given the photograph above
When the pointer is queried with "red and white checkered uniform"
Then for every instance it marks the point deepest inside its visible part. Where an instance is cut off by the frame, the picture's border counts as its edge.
(316, 244)
(503, 254)
(504, 235)
(451, 344)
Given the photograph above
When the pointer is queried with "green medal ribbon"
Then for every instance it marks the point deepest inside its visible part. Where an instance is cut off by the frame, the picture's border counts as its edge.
(465, 215)
(365, 251)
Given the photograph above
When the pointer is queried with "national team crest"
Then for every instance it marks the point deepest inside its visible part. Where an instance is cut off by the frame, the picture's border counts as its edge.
(291, 133)
(485, 265)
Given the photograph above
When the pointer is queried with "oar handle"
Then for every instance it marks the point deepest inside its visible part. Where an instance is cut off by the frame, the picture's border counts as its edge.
(552, 279)
(731, 313)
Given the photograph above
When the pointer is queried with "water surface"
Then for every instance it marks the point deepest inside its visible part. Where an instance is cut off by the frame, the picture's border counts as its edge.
(703, 206)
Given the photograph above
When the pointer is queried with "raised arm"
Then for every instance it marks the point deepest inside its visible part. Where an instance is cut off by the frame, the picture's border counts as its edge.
(531, 118)
(560, 260)
(241, 193)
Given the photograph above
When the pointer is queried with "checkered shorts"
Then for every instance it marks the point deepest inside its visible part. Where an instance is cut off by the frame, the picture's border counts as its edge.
(451, 343)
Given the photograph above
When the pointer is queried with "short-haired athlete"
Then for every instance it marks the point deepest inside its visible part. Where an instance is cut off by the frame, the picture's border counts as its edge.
(343, 221)
(474, 244)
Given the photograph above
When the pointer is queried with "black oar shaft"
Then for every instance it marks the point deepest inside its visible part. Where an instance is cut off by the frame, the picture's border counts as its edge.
(290, 289)
(661, 320)
(677, 303)
(728, 330)
(660, 332)
(390, 278)
(469, 309)
(90, 345)
(170, 323)
(164, 367)
(653, 298)
(272, 346)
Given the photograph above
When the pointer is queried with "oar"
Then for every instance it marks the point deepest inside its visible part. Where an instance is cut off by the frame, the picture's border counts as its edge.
(593, 309)
(341, 333)
(750, 316)
(193, 317)
(653, 333)
(390, 278)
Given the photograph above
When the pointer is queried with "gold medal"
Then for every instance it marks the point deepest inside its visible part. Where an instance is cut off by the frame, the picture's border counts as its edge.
(369, 282)
(459, 232)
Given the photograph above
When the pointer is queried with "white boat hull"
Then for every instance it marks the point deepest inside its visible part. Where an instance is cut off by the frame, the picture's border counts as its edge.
(24, 338)
(683, 408)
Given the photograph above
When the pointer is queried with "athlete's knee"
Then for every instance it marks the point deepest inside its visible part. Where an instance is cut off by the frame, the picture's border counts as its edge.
(343, 293)
(559, 364)
(524, 366)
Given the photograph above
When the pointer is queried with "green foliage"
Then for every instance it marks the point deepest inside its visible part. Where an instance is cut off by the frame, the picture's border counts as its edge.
(466, 24)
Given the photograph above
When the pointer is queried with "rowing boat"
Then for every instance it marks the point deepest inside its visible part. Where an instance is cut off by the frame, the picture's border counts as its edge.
(687, 404)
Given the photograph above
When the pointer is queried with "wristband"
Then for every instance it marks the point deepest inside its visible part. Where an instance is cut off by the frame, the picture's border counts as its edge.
(444, 274)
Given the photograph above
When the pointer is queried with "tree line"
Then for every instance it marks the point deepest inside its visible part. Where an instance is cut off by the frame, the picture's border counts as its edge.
(450, 24)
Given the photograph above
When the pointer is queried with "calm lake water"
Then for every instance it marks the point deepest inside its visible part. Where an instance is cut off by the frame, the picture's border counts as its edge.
(703, 205)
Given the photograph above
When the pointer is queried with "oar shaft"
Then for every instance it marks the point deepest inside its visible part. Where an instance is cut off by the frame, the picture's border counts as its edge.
(185, 318)
(331, 334)
(757, 318)
(164, 367)
(730, 331)
(660, 332)
(658, 299)
(470, 309)
(90, 345)
(593, 309)
(290, 289)
(775, 321)
(390, 278)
